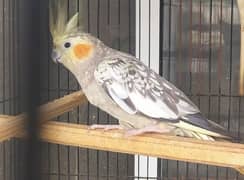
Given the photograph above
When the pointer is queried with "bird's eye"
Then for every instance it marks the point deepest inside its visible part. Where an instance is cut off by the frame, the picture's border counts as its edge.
(67, 45)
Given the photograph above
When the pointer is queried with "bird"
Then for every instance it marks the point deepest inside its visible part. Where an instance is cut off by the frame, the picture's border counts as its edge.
(121, 85)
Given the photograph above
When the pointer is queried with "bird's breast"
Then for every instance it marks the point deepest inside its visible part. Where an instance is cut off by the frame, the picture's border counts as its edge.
(95, 94)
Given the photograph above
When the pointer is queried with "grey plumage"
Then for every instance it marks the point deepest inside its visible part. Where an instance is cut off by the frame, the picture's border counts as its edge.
(125, 78)
(139, 90)
(124, 87)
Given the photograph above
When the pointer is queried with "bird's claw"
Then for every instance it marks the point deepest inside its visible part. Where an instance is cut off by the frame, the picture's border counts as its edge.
(148, 129)
(105, 127)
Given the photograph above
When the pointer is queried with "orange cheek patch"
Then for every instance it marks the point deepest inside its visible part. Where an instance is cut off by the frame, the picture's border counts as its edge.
(82, 50)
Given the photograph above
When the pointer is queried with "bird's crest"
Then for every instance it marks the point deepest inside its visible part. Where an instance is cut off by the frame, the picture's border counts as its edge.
(59, 25)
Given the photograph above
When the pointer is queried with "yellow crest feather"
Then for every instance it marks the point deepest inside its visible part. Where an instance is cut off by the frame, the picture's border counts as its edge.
(58, 23)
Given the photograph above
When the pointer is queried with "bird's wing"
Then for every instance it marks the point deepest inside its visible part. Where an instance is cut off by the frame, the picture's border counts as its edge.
(137, 89)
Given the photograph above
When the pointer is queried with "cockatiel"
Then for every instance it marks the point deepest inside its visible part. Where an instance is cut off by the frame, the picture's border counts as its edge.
(121, 85)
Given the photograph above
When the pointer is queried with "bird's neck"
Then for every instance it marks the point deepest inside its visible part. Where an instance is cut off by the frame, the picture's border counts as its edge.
(85, 74)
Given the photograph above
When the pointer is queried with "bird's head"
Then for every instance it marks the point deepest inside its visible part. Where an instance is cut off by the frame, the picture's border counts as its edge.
(71, 46)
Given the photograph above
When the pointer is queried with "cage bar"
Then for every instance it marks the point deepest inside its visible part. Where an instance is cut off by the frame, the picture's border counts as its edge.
(241, 10)
(198, 42)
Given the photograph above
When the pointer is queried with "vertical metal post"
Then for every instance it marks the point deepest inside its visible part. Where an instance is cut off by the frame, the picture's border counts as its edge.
(147, 50)
(33, 89)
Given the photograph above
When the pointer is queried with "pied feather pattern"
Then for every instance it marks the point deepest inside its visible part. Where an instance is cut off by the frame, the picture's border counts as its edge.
(137, 89)
(131, 81)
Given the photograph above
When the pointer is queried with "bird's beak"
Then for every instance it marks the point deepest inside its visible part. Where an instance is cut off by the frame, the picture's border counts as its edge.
(56, 56)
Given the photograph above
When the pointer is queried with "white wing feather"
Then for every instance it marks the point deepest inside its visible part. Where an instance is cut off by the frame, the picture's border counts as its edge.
(137, 89)
(154, 109)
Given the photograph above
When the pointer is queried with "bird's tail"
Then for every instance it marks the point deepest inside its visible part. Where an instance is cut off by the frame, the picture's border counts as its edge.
(197, 126)
(192, 134)
(224, 134)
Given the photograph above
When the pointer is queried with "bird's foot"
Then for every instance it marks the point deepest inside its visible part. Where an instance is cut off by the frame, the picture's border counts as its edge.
(105, 127)
(148, 129)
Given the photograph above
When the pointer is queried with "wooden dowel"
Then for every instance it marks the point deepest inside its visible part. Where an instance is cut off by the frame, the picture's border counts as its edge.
(241, 10)
(184, 149)
(16, 125)
(59, 106)
(10, 126)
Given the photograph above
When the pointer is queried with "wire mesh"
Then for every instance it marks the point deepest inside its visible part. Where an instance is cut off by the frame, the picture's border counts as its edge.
(199, 52)
(9, 82)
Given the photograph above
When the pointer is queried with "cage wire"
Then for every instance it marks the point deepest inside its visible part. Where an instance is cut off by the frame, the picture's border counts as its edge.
(12, 151)
(199, 52)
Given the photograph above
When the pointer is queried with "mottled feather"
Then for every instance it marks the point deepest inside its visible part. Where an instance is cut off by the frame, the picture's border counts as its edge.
(151, 94)
(137, 89)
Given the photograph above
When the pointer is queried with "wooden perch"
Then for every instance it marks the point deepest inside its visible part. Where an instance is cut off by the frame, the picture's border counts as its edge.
(163, 146)
(11, 126)
(60, 106)
(241, 10)
(16, 125)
